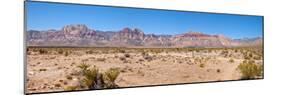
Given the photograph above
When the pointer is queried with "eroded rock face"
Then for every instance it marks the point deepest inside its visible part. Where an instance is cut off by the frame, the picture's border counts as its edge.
(81, 35)
(75, 30)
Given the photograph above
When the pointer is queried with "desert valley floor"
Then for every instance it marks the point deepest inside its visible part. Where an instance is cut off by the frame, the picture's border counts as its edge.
(52, 69)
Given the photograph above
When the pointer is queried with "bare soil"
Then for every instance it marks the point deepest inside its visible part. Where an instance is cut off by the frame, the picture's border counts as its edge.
(51, 69)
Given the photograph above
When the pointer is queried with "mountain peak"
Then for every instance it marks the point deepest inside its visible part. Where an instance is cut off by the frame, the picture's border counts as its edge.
(80, 35)
(131, 31)
(74, 29)
(126, 30)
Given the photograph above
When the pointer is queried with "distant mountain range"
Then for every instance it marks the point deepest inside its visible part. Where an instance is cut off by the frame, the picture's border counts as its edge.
(81, 36)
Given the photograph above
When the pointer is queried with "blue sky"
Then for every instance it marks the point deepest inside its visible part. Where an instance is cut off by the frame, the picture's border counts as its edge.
(45, 16)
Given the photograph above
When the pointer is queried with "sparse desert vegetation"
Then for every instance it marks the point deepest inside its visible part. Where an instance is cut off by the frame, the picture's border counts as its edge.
(250, 70)
(67, 69)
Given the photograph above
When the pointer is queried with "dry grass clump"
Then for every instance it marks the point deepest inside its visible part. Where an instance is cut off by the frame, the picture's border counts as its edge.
(70, 88)
(250, 70)
(231, 60)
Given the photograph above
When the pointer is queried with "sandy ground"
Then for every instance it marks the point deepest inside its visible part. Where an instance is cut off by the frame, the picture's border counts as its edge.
(48, 69)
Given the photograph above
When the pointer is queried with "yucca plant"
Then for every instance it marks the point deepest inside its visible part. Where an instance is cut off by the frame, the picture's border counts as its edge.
(93, 79)
(90, 77)
(110, 76)
(83, 67)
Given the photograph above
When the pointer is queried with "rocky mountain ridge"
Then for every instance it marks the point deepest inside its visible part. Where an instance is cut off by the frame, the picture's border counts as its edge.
(81, 36)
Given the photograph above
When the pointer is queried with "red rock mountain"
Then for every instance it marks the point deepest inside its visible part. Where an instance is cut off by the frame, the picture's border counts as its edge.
(81, 36)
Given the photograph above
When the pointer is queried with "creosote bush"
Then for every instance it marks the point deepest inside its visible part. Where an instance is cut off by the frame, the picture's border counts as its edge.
(250, 70)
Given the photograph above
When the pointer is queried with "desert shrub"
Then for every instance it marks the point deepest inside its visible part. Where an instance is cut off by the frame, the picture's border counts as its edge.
(231, 60)
(83, 67)
(127, 55)
(250, 55)
(42, 51)
(57, 85)
(70, 88)
(60, 52)
(122, 51)
(210, 50)
(66, 53)
(246, 57)
(89, 52)
(90, 77)
(257, 57)
(148, 58)
(142, 60)
(224, 53)
(218, 70)
(72, 63)
(201, 65)
(69, 77)
(250, 70)
(140, 73)
(93, 79)
(143, 54)
(110, 76)
(42, 69)
(101, 59)
(122, 58)
(235, 50)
